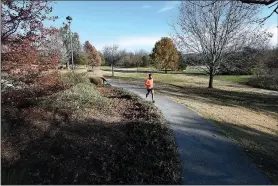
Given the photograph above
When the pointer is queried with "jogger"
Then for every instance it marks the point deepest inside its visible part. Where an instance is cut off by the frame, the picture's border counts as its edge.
(149, 86)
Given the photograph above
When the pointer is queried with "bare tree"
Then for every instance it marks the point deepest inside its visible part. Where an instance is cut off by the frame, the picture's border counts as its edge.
(137, 58)
(215, 30)
(54, 43)
(111, 55)
(270, 3)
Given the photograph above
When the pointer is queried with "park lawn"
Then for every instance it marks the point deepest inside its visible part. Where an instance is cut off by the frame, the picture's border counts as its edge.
(77, 70)
(105, 67)
(176, 79)
(242, 79)
(189, 69)
(120, 68)
(166, 78)
(83, 134)
(194, 70)
(180, 79)
(249, 116)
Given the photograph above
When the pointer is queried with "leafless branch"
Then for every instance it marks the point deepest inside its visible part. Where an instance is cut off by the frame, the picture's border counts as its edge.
(272, 3)
(274, 11)
(262, 2)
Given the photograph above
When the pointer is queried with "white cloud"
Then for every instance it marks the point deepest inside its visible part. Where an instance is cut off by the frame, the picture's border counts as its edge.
(146, 6)
(165, 9)
(168, 6)
(274, 31)
(132, 43)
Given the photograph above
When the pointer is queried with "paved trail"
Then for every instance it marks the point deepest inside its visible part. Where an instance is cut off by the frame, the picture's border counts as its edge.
(207, 156)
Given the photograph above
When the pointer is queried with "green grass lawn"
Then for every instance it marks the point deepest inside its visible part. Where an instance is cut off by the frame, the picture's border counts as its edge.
(242, 79)
(194, 70)
(167, 78)
(189, 69)
(105, 67)
(77, 70)
(170, 78)
(182, 79)
(119, 68)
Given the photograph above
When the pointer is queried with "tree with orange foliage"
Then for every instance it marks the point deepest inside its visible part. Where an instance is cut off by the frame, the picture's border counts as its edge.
(165, 55)
(94, 59)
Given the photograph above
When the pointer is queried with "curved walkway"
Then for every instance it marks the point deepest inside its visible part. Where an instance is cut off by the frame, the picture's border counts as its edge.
(207, 156)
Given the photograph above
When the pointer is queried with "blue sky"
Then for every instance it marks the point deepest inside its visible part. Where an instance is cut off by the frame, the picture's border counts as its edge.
(133, 25)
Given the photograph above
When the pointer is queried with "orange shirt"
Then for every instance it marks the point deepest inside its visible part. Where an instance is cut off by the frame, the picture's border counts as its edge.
(149, 83)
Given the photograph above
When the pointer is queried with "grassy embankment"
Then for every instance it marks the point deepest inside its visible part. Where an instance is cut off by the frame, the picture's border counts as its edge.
(82, 134)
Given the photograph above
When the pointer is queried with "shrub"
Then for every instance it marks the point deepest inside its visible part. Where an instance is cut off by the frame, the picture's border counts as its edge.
(98, 81)
(71, 78)
(80, 96)
(266, 71)
(269, 81)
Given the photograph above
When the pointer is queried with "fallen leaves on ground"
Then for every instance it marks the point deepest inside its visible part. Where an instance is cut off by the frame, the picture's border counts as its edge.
(124, 141)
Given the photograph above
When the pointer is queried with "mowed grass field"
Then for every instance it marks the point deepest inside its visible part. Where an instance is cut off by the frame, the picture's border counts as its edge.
(249, 116)
(190, 69)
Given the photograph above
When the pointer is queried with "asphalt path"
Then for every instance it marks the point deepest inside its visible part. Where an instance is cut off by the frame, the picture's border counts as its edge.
(207, 156)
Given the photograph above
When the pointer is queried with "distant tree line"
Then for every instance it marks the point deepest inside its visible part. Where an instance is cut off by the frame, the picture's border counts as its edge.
(164, 56)
(134, 59)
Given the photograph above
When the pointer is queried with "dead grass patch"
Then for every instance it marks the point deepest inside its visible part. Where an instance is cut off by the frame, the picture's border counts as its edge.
(256, 116)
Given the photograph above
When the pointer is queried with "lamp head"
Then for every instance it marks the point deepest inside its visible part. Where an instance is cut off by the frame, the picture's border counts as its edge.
(69, 19)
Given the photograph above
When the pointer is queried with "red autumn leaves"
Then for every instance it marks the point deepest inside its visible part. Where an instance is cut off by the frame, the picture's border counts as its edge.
(94, 59)
(23, 38)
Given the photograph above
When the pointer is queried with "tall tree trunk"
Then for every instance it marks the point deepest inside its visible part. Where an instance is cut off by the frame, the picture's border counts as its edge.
(165, 71)
(210, 78)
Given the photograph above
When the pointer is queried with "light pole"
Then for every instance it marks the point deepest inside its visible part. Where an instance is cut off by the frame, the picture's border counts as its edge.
(69, 19)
